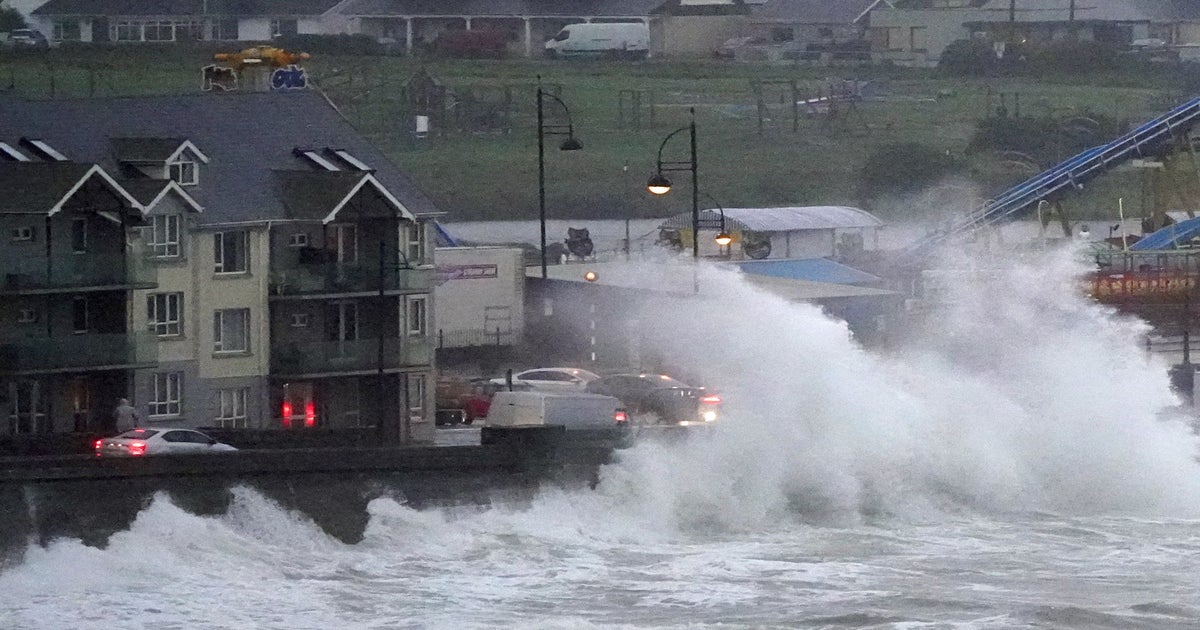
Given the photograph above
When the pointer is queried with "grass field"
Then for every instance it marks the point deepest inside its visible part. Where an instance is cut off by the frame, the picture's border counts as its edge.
(492, 175)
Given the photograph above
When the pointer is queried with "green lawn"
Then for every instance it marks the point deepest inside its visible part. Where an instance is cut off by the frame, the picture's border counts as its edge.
(490, 175)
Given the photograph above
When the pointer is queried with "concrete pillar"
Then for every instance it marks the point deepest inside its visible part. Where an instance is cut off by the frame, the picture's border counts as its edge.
(468, 21)
(408, 35)
(528, 37)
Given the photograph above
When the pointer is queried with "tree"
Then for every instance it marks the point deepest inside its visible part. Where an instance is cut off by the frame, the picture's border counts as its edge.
(10, 19)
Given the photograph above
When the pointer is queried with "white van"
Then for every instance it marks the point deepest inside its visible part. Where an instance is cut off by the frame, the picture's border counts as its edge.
(629, 40)
(573, 410)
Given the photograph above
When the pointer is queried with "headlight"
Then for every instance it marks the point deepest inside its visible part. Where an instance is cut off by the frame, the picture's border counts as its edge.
(708, 416)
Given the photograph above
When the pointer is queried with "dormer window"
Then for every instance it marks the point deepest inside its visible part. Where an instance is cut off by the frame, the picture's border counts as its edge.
(184, 173)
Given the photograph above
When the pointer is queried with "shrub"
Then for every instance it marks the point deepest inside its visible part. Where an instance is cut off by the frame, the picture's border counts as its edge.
(1070, 57)
(10, 19)
(904, 167)
(1047, 139)
(474, 44)
(970, 57)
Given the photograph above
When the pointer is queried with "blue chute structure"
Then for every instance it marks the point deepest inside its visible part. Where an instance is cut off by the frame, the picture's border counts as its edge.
(1171, 237)
(443, 237)
(1147, 140)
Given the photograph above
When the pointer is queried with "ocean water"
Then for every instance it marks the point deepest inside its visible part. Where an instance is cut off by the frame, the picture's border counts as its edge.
(1013, 465)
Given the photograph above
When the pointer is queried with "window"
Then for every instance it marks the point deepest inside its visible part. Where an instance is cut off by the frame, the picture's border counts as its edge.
(79, 314)
(229, 252)
(824, 31)
(298, 240)
(164, 236)
(159, 31)
(166, 394)
(917, 39)
(231, 408)
(283, 28)
(65, 31)
(782, 34)
(417, 314)
(231, 330)
(341, 321)
(79, 234)
(416, 243)
(125, 32)
(184, 173)
(24, 233)
(27, 316)
(301, 320)
(416, 387)
(163, 313)
(892, 38)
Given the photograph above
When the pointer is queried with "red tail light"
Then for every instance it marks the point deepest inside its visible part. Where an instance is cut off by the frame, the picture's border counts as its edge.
(286, 412)
(137, 448)
(620, 416)
(99, 445)
(310, 414)
(711, 399)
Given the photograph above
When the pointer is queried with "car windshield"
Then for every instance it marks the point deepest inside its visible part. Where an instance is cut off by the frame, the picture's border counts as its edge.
(137, 434)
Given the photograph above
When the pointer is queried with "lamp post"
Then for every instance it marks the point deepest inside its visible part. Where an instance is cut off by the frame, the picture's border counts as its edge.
(723, 238)
(660, 185)
(570, 144)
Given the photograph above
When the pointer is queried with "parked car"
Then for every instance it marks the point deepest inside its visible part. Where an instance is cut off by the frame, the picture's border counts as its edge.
(551, 378)
(571, 410)
(27, 37)
(159, 441)
(659, 399)
(463, 400)
(729, 48)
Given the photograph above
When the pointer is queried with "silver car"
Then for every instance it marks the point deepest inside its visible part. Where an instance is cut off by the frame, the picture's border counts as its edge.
(159, 441)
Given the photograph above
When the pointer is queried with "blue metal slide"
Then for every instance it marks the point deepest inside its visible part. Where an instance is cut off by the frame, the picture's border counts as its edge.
(1144, 141)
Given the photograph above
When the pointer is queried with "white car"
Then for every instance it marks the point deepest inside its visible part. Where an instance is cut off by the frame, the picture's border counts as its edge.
(551, 378)
(159, 441)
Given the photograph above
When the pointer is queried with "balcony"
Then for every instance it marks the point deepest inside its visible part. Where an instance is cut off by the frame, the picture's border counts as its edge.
(76, 272)
(289, 358)
(78, 353)
(347, 278)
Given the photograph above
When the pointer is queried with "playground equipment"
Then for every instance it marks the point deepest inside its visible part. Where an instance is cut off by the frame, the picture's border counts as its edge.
(1153, 139)
(259, 68)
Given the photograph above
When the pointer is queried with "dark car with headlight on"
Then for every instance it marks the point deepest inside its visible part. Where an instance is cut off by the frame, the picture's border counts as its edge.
(659, 399)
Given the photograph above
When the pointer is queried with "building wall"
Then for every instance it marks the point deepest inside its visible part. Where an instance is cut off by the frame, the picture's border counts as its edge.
(694, 35)
(942, 27)
(254, 29)
(483, 290)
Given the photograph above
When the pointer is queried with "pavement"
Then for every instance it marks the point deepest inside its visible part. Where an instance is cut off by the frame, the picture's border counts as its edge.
(456, 436)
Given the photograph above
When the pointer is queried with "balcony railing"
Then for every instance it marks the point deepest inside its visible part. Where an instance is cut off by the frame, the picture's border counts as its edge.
(335, 278)
(71, 353)
(75, 271)
(359, 355)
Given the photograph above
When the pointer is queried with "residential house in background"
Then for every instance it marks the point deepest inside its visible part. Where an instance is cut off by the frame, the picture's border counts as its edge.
(184, 20)
(292, 283)
(917, 31)
(815, 30)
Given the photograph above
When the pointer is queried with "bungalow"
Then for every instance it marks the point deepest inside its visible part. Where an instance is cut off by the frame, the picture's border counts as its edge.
(827, 30)
(184, 20)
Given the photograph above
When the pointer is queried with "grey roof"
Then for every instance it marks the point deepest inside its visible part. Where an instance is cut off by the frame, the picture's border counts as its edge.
(784, 219)
(504, 8)
(145, 149)
(1098, 10)
(185, 7)
(813, 11)
(246, 137)
(144, 190)
(37, 186)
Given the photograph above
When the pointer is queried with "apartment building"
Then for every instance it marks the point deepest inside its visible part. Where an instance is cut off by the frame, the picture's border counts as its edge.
(276, 266)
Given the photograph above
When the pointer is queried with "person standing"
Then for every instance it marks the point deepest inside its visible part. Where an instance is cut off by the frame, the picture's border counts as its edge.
(126, 416)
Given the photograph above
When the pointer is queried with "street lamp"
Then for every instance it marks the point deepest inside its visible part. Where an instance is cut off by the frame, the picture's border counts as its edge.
(723, 238)
(570, 144)
(660, 185)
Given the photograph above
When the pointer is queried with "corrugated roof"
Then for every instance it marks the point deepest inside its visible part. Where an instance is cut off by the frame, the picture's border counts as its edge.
(246, 136)
(811, 269)
(1097, 10)
(185, 7)
(785, 219)
(504, 8)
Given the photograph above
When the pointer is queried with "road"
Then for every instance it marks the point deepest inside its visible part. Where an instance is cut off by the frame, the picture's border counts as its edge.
(457, 436)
